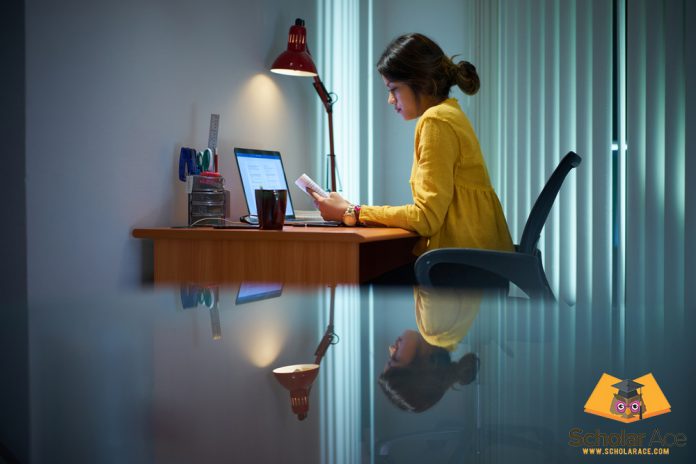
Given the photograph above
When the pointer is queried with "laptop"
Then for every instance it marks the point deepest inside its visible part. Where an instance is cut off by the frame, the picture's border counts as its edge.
(256, 291)
(263, 168)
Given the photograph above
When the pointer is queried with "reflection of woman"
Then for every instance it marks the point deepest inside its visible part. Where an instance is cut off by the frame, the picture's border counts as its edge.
(420, 369)
(444, 318)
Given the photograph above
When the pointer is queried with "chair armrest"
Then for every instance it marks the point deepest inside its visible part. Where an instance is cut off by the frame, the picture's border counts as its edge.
(523, 269)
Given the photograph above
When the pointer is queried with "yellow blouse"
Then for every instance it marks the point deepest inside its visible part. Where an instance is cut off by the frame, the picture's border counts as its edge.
(454, 204)
(445, 318)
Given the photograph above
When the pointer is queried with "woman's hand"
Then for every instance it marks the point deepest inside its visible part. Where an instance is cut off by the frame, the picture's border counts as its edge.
(331, 208)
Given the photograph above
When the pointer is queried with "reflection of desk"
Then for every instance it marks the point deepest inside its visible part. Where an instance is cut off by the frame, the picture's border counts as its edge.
(295, 255)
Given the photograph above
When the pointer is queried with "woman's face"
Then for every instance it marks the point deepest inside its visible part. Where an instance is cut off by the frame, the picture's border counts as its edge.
(403, 98)
(404, 349)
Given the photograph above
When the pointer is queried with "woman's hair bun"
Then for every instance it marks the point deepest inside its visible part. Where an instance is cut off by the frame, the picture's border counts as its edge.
(466, 369)
(467, 78)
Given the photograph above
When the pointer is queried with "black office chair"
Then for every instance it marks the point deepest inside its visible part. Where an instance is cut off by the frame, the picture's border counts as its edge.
(523, 267)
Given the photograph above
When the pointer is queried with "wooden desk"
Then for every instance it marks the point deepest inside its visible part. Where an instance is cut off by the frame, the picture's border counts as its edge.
(295, 255)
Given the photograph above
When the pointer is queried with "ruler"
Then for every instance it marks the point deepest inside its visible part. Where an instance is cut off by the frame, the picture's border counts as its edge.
(213, 132)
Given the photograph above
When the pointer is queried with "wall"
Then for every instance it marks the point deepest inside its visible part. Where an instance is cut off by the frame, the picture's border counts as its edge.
(114, 89)
(144, 380)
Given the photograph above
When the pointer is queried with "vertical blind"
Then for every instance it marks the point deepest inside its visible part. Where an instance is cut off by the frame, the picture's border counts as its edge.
(655, 157)
(609, 81)
(340, 376)
(339, 67)
(549, 70)
(549, 75)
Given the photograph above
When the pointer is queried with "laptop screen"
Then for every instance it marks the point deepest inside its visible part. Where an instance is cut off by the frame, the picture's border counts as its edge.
(256, 291)
(261, 169)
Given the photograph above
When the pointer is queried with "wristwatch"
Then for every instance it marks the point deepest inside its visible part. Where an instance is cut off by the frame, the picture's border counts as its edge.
(351, 216)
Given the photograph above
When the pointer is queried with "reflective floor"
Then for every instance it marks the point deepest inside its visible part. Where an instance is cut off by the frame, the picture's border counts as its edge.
(182, 375)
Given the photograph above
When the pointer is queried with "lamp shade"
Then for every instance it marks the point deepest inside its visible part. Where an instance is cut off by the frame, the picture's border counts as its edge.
(298, 380)
(296, 60)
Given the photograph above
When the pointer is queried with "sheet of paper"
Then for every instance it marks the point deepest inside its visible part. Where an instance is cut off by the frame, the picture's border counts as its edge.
(305, 182)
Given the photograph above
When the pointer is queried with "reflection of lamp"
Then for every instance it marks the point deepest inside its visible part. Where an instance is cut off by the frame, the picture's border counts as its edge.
(297, 61)
(298, 378)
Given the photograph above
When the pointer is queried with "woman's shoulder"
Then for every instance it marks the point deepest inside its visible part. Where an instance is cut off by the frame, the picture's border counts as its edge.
(445, 110)
(448, 112)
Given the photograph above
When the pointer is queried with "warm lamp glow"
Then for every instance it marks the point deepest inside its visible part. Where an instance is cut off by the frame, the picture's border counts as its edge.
(264, 107)
(295, 368)
(292, 72)
(263, 339)
(265, 349)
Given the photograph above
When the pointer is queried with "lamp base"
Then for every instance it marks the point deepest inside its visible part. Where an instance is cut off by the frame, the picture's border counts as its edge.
(327, 184)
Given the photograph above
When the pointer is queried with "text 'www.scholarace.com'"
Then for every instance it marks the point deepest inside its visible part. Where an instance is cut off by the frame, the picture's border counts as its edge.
(625, 451)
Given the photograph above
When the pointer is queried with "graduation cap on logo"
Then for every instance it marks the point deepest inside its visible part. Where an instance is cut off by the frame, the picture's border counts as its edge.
(628, 389)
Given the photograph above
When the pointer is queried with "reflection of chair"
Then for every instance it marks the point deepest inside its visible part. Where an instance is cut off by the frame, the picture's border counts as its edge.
(470, 440)
(523, 267)
(442, 444)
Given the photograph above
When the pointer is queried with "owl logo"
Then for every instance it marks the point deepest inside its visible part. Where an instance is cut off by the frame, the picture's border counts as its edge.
(628, 401)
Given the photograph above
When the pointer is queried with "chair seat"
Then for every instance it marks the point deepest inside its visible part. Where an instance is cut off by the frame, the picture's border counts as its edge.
(522, 269)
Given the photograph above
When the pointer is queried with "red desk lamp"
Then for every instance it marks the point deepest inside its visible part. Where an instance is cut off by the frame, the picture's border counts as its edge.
(297, 61)
(298, 378)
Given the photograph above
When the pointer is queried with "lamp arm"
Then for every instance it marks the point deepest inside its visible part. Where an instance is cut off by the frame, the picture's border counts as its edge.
(324, 95)
(326, 341)
(328, 102)
(329, 335)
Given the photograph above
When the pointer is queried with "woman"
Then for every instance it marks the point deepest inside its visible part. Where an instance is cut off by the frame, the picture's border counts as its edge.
(418, 374)
(420, 370)
(454, 204)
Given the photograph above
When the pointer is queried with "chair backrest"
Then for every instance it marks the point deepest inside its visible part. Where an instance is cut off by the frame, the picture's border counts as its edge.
(542, 206)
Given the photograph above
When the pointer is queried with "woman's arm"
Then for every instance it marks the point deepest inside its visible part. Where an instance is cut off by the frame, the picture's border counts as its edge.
(432, 183)
(332, 208)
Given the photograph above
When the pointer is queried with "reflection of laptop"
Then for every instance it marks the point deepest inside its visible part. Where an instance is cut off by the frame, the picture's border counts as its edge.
(250, 291)
(264, 169)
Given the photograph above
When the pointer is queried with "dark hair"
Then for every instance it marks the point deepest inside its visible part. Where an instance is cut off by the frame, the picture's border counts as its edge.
(420, 63)
(419, 386)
